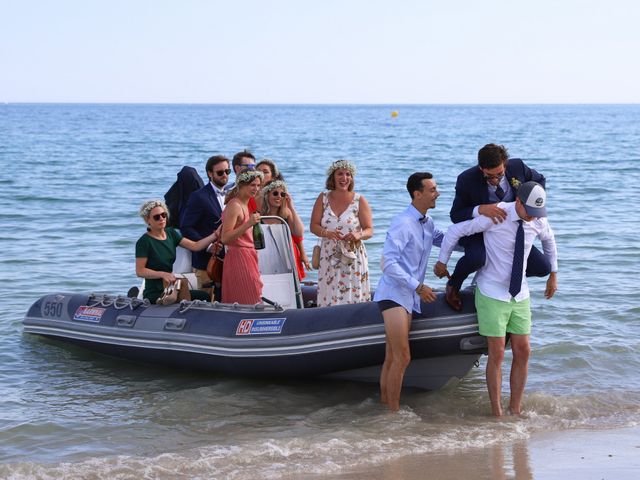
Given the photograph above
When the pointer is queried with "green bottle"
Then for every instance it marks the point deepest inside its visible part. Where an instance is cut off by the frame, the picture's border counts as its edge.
(258, 237)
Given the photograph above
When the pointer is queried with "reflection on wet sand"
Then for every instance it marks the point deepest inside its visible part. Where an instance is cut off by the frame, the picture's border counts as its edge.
(499, 461)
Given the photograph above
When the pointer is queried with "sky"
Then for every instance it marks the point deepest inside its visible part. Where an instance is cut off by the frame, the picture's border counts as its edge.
(322, 51)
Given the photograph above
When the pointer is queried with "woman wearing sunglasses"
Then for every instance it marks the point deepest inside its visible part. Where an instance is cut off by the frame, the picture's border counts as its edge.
(156, 250)
(276, 201)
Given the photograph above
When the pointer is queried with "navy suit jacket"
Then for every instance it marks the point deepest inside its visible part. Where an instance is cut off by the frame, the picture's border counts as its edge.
(201, 217)
(471, 187)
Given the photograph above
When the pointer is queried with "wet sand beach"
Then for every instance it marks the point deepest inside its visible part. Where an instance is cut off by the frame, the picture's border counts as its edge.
(579, 454)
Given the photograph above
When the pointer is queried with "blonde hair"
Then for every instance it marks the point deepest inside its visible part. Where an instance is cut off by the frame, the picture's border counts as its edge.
(145, 209)
(244, 177)
(266, 190)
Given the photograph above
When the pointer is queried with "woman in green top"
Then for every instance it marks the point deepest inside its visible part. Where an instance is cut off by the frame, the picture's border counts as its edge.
(156, 250)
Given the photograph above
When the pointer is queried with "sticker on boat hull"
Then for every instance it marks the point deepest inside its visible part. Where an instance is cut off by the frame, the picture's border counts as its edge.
(260, 326)
(89, 314)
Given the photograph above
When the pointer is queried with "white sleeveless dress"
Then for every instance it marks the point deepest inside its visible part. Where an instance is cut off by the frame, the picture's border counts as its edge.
(343, 275)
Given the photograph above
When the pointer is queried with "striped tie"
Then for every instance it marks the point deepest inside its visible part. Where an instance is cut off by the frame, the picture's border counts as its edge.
(518, 262)
(499, 192)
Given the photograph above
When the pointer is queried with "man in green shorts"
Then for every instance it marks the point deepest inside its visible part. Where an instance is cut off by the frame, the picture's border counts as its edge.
(502, 293)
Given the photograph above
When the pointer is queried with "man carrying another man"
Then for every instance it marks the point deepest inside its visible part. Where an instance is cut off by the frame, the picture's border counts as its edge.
(502, 294)
(479, 189)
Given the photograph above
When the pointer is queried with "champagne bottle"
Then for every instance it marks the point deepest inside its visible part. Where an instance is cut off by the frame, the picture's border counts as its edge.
(258, 237)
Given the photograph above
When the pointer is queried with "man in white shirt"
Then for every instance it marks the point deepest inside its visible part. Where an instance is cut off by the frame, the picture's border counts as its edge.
(502, 292)
(401, 288)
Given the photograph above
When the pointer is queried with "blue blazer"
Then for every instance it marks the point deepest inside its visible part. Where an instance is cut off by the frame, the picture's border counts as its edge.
(201, 217)
(471, 187)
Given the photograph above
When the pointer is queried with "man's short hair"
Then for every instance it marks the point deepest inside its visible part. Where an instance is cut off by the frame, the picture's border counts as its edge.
(492, 156)
(237, 158)
(213, 161)
(415, 182)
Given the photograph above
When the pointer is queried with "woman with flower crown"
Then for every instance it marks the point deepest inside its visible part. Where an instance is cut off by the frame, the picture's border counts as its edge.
(276, 201)
(240, 277)
(342, 219)
(156, 250)
(270, 174)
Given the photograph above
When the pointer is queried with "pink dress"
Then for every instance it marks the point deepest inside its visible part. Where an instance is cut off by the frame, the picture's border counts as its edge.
(240, 277)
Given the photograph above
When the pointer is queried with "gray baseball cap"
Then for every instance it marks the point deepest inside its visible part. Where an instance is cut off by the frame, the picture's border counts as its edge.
(534, 199)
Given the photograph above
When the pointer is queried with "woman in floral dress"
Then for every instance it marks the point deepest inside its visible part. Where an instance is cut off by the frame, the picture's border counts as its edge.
(342, 219)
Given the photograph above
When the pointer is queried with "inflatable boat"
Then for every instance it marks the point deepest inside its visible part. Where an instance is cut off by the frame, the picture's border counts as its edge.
(287, 336)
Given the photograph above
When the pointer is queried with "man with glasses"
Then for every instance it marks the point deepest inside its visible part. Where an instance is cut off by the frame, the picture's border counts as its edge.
(203, 212)
(243, 159)
(479, 189)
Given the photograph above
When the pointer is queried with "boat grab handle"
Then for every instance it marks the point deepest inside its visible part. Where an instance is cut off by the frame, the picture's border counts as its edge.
(174, 324)
(127, 321)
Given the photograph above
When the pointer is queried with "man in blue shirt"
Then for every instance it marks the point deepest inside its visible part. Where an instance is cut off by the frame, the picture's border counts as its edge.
(400, 290)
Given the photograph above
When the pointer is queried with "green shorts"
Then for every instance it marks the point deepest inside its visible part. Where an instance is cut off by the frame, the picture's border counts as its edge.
(496, 318)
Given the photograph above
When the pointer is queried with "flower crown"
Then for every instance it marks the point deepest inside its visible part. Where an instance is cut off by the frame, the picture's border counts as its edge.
(145, 209)
(346, 164)
(249, 176)
(272, 186)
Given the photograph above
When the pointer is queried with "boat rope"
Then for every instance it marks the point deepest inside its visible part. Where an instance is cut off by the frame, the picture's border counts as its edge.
(186, 305)
(119, 302)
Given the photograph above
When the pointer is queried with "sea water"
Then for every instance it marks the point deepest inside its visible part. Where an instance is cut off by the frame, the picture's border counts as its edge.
(73, 176)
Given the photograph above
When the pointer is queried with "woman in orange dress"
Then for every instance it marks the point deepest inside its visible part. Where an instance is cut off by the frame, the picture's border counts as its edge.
(240, 277)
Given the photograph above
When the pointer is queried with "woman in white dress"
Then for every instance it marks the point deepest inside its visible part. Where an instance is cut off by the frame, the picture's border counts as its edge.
(342, 219)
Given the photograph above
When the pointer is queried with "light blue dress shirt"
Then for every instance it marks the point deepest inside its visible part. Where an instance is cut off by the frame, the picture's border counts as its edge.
(405, 256)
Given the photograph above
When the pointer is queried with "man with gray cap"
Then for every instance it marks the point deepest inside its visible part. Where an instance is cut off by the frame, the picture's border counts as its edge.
(502, 292)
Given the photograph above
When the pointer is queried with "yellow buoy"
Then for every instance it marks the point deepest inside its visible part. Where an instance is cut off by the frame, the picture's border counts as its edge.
(394, 114)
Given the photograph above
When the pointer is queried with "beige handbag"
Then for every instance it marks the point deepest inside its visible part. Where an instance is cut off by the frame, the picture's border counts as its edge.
(175, 292)
(315, 257)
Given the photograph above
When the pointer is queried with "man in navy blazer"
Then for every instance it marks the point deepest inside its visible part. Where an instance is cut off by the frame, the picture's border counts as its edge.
(495, 179)
(203, 213)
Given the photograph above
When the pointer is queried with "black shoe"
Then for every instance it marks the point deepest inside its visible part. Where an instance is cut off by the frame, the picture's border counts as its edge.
(452, 296)
(133, 292)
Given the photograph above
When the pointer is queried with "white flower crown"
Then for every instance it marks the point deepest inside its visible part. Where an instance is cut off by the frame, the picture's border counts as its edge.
(149, 205)
(250, 176)
(273, 185)
(346, 164)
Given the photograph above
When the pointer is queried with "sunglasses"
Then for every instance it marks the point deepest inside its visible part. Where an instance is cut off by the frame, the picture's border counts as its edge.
(158, 216)
(220, 173)
(250, 166)
(279, 194)
(493, 177)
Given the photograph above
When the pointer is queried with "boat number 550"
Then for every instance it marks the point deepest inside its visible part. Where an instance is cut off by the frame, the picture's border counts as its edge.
(52, 309)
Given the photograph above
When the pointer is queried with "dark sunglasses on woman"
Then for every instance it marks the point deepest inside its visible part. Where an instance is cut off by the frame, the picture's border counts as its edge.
(158, 216)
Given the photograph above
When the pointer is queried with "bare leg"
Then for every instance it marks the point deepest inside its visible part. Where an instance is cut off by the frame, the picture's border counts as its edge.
(494, 373)
(396, 325)
(385, 373)
(519, 370)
